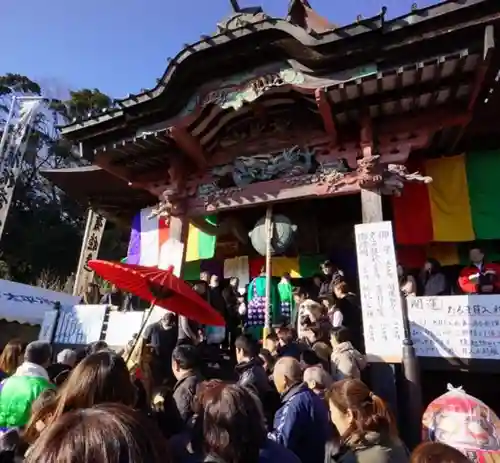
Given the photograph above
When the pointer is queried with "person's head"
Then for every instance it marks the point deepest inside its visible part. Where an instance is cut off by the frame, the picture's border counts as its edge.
(436, 452)
(97, 346)
(355, 410)
(234, 282)
(285, 336)
(102, 377)
(205, 276)
(268, 360)
(201, 288)
(263, 270)
(476, 255)
(317, 280)
(233, 421)
(246, 348)
(271, 343)
(38, 352)
(340, 288)
(286, 276)
(287, 373)
(67, 357)
(432, 265)
(115, 289)
(102, 434)
(309, 358)
(323, 351)
(299, 295)
(12, 356)
(214, 281)
(184, 360)
(328, 301)
(317, 379)
(315, 310)
(327, 267)
(168, 319)
(339, 335)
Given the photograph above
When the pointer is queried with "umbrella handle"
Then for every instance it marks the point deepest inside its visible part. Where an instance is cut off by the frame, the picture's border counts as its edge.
(139, 335)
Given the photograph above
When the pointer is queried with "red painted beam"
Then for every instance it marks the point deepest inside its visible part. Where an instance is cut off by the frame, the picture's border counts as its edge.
(273, 191)
(326, 113)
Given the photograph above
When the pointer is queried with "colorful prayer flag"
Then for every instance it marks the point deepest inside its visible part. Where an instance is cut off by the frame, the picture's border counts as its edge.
(458, 206)
(148, 235)
(200, 245)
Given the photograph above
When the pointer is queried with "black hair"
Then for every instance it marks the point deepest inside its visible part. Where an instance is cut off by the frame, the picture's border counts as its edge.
(309, 357)
(341, 334)
(300, 291)
(272, 337)
(435, 265)
(247, 344)
(186, 356)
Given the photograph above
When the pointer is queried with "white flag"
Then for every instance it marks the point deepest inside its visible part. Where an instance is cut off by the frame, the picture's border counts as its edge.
(12, 157)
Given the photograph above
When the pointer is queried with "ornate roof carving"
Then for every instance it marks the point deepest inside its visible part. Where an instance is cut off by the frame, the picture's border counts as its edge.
(242, 18)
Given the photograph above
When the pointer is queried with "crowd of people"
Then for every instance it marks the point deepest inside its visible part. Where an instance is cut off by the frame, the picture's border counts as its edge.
(182, 392)
(104, 411)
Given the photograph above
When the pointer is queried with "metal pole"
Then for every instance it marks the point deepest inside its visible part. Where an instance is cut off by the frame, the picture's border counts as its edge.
(413, 386)
(269, 237)
(5, 133)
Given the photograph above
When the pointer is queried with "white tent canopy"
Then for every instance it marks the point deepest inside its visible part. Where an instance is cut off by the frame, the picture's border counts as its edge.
(27, 304)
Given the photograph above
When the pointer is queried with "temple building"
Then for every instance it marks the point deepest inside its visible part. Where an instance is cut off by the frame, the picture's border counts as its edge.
(333, 125)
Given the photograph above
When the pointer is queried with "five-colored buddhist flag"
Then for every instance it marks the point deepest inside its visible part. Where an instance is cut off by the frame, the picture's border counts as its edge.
(459, 205)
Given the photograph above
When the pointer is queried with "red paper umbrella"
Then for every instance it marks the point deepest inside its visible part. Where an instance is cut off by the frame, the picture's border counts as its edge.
(160, 287)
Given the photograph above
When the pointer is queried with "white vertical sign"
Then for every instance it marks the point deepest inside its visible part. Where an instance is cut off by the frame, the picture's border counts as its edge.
(379, 288)
(12, 156)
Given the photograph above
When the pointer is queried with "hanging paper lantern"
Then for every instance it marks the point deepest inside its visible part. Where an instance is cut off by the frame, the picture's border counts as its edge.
(283, 233)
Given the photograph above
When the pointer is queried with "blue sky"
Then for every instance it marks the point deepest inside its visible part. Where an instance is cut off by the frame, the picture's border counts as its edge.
(123, 46)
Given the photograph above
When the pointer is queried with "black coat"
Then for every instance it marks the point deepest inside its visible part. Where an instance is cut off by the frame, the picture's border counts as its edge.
(253, 376)
(184, 391)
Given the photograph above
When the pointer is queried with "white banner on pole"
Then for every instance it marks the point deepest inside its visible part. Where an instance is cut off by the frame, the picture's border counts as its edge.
(14, 148)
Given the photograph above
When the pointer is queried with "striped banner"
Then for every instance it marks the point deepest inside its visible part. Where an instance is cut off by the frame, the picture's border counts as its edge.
(459, 205)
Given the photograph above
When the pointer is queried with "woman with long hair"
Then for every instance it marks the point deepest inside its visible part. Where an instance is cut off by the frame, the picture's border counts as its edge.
(103, 434)
(100, 378)
(11, 358)
(232, 427)
(367, 428)
(432, 279)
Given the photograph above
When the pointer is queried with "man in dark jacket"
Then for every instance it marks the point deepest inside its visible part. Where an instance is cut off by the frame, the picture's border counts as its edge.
(185, 368)
(301, 424)
(250, 371)
(252, 375)
(331, 274)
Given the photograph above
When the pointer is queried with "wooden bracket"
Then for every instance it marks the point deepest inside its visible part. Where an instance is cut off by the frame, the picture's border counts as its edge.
(190, 146)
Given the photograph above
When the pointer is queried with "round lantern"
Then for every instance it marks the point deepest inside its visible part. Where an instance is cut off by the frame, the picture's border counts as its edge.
(283, 233)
